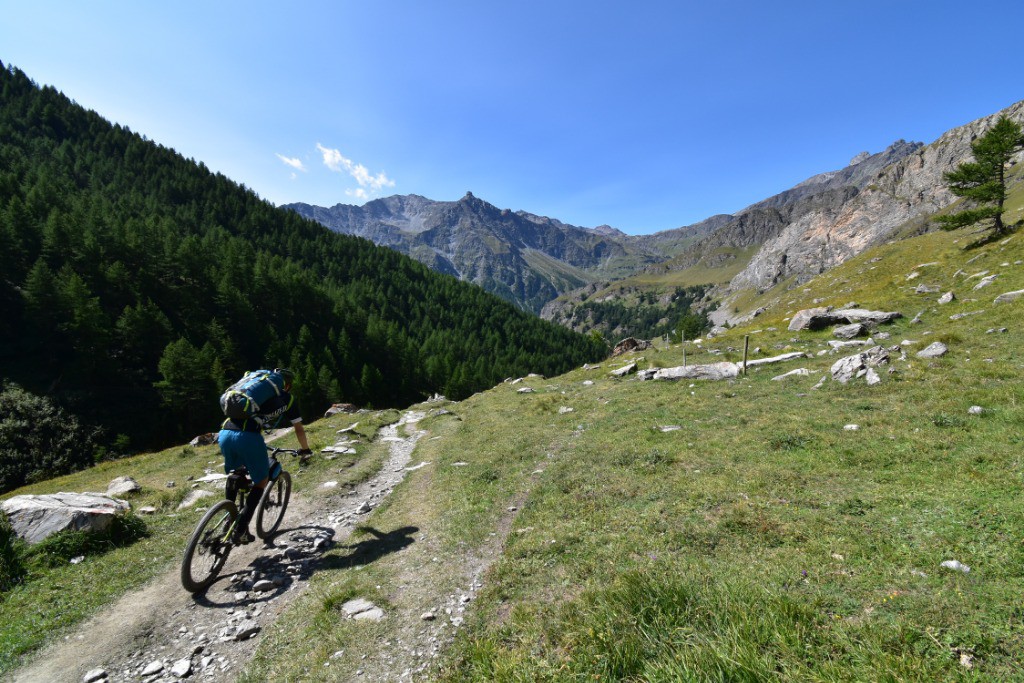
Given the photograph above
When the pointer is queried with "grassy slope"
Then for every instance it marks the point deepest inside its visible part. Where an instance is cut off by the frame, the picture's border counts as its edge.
(52, 600)
(761, 539)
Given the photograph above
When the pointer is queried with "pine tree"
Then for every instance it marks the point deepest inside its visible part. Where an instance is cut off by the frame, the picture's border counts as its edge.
(983, 181)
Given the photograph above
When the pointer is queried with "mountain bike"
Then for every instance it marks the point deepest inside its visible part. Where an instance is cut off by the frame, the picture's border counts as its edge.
(210, 544)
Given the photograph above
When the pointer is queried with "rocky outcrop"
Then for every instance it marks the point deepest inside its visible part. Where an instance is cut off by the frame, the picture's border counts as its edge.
(35, 518)
(910, 187)
(628, 345)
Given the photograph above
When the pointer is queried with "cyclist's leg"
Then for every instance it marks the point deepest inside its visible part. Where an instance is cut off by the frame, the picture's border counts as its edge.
(253, 452)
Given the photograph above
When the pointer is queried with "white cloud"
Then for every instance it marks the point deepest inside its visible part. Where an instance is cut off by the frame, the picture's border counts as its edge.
(295, 163)
(368, 184)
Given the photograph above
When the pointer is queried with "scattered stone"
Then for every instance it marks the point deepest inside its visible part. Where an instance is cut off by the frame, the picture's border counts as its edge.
(1007, 297)
(986, 281)
(123, 486)
(212, 477)
(975, 410)
(917, 318)
(775, 359)
(413, 468)
(871, 377)
(630, 344)
(246, 629)
(35, 517)
(624, 370)
(799, 372)
(853, 367)
(956, 565)
(170, 485)
(525, 390)
(94, 675)
(329, 484)
(264, 586)
(946, 298)
(181, 668)
(428, 616)
(848, 331)
(966, 314)
(993, 330)
(78, 559)
(153, 668)
(375, 614)
(669, 428)
(565, 409)
(588, 382)
(851, 427)
(913, 276)
(147, 510)
(363, 509)
(925, 289)
(933, 350)
(193, 497)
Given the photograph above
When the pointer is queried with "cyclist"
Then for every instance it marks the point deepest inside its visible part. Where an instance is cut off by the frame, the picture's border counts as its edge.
(241, 443)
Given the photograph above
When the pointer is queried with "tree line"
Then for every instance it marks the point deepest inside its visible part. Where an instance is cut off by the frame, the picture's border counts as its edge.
(135, 284)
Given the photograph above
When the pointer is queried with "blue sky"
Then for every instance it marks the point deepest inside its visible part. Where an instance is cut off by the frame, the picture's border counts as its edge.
(645, 116)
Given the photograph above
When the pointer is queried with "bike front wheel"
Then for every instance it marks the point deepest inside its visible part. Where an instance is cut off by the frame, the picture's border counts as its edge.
(208, 548)
(273, 504)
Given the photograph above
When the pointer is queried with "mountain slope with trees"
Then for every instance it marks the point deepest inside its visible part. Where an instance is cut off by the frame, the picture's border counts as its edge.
(135, 284)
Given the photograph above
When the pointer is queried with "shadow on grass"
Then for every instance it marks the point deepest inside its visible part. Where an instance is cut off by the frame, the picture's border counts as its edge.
(372, 549)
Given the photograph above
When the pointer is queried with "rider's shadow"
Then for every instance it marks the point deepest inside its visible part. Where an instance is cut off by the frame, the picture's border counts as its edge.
(372, 549)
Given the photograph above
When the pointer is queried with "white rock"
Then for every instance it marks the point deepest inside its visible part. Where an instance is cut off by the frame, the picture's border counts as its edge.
(122, 486)
(193, 497)
(851, 427)
(933, 350)
(565, 409)
(181, 668)
(329, 484)
(153, 667)
(871, 377)
(94, 675)
(1007, 297)
(975, 410)
(34, 518)
(801, 372)
(947, 298)
(956, 565)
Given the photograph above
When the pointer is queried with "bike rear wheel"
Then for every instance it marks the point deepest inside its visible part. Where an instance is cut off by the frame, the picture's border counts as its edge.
(208, 548)
(273, 504)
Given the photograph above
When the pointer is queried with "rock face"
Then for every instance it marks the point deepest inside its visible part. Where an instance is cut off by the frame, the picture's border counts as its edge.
(849, 331)
(34, 518)
(519, 256)
(907, 188)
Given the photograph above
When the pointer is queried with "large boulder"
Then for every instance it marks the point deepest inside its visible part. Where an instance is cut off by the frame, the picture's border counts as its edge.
(1007, 297)
(933, 350)
(862, 315)
(630, 344)
(811, 319)
(34, 518)
(712, 371)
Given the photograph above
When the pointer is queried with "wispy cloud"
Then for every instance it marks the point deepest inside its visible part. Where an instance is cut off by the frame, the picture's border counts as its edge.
(368, 184)
(295, 163)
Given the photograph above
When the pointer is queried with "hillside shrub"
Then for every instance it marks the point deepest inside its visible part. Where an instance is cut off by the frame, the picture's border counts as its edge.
(12, 569)
(39, 439)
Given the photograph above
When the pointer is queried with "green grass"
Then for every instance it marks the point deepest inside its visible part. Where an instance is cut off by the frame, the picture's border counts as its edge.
(53, 595)
(759, 541)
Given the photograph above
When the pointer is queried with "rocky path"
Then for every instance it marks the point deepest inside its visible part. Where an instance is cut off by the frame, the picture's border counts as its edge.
(161, 633)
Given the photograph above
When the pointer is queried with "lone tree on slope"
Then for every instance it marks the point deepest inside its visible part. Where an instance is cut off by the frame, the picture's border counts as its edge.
(983, 181)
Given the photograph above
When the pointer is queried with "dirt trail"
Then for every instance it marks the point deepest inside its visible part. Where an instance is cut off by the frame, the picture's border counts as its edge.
(160, 632)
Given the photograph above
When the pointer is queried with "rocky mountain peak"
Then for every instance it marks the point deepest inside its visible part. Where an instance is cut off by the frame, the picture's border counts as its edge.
(863, 156)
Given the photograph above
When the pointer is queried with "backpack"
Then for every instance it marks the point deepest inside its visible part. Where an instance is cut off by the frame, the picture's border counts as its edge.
(242, 400)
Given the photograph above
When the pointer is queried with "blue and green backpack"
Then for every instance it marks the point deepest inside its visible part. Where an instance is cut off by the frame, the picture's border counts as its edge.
(242, 400)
